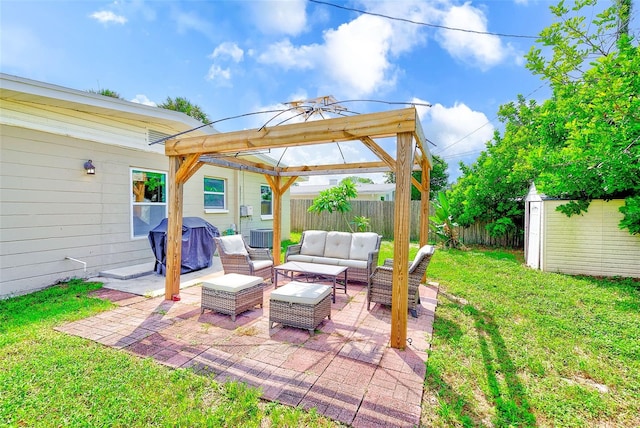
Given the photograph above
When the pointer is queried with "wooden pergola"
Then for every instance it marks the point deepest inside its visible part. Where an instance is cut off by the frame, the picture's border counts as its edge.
(187, 155)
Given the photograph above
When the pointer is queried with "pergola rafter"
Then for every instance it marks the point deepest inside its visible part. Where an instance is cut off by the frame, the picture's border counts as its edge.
(187, 155)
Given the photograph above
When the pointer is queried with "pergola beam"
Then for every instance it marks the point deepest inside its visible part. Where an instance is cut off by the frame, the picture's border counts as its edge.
(351, 128)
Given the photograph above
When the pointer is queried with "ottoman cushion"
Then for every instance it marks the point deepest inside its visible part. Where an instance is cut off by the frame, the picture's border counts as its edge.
(232, 282)
(299, 292)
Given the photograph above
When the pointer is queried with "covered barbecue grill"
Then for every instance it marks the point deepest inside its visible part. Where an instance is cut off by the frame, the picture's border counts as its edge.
(197, 244)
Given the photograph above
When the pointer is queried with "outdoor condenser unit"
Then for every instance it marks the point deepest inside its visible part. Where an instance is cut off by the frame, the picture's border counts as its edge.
(261, 238)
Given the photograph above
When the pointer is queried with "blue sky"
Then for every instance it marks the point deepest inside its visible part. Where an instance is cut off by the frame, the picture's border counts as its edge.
(236, 57)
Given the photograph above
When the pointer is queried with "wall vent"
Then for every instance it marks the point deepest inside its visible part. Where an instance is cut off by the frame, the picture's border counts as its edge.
(261, 238)
(153, 135)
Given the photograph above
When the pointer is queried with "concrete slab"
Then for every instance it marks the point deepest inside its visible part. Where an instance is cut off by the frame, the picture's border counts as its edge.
(128, 272)
(152, 284)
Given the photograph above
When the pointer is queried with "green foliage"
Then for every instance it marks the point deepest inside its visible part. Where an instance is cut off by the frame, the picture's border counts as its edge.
(187, 107)
(106, 93)
(356, 179)
(493, 188)
(438, 179)
(361, 223)
(631, 215)
(442, 223)
(580, 145)
(336, 198)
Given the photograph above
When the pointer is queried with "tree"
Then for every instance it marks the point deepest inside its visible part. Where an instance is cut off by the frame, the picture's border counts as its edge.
(356, 179)
(581, 144)
(492, 189)
(106, 93)
(438, 179)
(337, 198)
(442, 223)
(187, 107)
(598, 110)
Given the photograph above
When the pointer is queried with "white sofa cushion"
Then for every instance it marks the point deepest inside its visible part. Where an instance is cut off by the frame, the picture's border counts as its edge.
(300, 258)
(232, 282)
(427, 249)
(337, 245)
(362, 243)
(233, 244)
(326, 260)
(303, 293)
(358, 264)
(261, 264)
(313, 243)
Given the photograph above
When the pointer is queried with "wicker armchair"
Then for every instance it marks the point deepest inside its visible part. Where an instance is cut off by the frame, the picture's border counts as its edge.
(237, 257)
(380, 281)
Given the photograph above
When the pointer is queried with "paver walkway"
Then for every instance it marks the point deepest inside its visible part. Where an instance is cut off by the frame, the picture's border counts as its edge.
(346, 371)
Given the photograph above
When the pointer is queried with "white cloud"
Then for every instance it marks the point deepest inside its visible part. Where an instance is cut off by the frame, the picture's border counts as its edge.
(482, 50)
(353, 60)
(142, 99)
(108, 17)
(191, 21)
(228, 49)
(281, 17)
(219, 74)
(459, 133)
(287, 56)
(357, 55)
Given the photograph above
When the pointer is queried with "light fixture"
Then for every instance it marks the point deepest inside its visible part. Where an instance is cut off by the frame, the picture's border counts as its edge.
(88, 166)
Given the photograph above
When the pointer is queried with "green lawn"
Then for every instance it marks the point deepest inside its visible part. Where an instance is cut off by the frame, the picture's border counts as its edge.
(511, 347)
(50, 379)
(518, 347)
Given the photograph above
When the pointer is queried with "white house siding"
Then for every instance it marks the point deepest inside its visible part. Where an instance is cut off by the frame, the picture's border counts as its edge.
(51, 209)
(590, 244)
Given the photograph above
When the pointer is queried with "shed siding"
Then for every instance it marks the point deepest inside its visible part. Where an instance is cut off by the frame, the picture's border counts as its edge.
(590, 244)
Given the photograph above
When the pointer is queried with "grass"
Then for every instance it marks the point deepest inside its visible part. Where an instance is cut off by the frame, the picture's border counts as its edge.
(52, 379)
(517, 347)
(511, 347)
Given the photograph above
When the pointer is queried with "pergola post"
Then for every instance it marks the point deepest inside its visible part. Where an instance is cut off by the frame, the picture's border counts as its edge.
(401, 236)
(278, 189)
(424, 204)
(174, 231)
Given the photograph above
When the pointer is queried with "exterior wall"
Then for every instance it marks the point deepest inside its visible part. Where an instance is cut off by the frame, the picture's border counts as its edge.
(51, 209)
(591, 244)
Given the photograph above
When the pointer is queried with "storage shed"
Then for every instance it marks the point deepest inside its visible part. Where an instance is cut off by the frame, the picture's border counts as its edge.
(587, 244)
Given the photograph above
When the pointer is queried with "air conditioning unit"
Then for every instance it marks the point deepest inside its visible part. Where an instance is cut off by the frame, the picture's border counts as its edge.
(261, 238)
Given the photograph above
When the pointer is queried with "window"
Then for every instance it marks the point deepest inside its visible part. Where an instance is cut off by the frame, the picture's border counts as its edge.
(148, 201)
(266, 200)
(214, 194)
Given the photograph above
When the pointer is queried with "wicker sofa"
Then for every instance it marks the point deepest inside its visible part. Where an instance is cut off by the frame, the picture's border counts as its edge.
(358, 251)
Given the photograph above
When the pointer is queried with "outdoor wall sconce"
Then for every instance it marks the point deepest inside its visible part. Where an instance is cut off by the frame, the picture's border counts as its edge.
(88, 166)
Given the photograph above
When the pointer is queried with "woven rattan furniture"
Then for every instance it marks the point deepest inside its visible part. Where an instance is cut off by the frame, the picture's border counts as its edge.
(380, 283)
(358, 251)
(237, 257)
(313, 272)
(232, 294)
(300, 305)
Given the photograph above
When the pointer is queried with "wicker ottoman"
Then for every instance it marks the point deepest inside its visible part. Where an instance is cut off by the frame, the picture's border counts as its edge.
(301, 305)
(232, 294)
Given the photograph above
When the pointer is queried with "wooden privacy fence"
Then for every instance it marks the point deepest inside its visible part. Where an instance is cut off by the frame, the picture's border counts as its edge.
(381, 217)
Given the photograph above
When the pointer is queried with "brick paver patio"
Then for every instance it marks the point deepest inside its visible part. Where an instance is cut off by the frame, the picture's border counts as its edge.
(346, 371)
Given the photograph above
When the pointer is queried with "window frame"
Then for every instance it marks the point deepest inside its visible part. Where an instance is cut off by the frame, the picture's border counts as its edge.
(135, 204)
(225, 208)
(270, 215)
